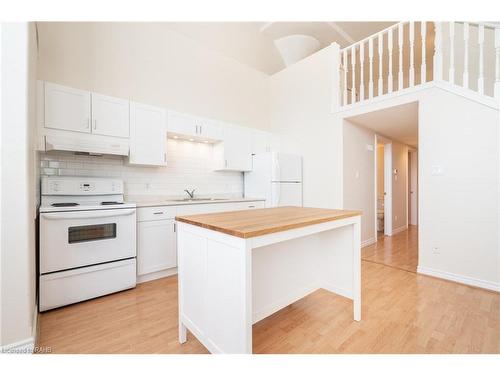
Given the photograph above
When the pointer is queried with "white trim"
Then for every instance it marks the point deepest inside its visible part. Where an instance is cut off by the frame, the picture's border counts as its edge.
(368, 242)
(20, 347)
(34, 325)
(490, 285)
(399, 229)
(156, 275)
(358, 107)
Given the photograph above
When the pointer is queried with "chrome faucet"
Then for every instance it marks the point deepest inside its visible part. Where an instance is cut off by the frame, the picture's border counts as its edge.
(190, 193)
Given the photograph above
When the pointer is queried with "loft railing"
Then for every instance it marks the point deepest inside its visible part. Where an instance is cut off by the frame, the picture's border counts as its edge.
(409, 54)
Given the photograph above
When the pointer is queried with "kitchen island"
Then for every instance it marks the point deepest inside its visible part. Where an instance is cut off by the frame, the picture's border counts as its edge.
(238, 267)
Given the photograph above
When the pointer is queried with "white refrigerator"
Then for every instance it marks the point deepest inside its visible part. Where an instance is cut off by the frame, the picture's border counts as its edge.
(276, 177)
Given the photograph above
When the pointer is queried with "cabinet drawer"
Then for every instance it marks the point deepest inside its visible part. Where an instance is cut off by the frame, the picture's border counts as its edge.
(247, 205)
(156, 213)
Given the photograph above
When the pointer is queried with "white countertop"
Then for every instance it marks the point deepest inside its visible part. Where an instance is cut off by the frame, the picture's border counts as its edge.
(153, 201)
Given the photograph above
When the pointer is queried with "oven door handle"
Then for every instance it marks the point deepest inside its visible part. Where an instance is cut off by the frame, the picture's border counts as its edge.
(96, 214)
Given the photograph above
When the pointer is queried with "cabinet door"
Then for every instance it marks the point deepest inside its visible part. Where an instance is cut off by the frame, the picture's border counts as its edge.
(110, 116)
(181, 123)
(148, 135)
(237, 149)
(260, 142)
(66, 108)
(208, 129)
(156, 246)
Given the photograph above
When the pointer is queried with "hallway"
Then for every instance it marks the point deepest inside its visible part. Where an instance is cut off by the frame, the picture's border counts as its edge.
(397, 251)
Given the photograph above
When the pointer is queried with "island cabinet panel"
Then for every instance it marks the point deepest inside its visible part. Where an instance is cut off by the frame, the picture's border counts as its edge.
(214, 278)
(228, 282)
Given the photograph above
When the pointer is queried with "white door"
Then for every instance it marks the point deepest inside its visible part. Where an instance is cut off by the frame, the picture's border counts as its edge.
(157, 248)
(286, 194)
(181, 123)
(388, 189)
(148, 135)
(66, 108)
(110, 116)
(287, 167)
(413, 188)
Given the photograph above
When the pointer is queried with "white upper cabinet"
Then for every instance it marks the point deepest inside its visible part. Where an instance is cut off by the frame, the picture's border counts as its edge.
(110, 116)
(234, 153)
(208, 129)
(66, 108)
(181, 124)
(148, 135)
(188, 126)
(263, 141)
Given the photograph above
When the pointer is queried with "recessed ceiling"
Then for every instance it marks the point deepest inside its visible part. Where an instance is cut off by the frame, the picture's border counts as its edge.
(252, 43)
(399, 123)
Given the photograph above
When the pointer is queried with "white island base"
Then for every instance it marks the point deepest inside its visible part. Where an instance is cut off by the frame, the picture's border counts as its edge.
(227, 283)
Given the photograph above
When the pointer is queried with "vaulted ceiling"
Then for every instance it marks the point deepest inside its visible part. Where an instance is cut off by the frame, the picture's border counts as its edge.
(252, 43)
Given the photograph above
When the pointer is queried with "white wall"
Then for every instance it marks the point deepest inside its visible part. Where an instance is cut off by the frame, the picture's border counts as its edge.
(359, 176)
(18, 186)
(458, 210)
(189, 166)
(149, 63)
(300, 110)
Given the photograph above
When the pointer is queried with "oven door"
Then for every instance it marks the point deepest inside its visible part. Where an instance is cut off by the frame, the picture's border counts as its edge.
(81, 238)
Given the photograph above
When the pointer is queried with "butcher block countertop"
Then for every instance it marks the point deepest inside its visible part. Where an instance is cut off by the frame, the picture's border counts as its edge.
(258, 222)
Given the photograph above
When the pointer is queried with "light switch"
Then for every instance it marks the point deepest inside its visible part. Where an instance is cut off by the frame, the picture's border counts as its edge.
(437, 170)
(369, 147)
(356, 175)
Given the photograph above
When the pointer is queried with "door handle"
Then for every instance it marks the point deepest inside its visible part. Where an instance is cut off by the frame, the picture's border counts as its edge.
(87, 214)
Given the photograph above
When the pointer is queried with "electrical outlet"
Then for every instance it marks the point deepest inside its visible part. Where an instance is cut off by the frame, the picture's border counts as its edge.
(435, 250)
(396, 218)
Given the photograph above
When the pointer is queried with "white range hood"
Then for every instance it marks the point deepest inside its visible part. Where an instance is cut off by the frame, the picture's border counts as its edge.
(92, 144)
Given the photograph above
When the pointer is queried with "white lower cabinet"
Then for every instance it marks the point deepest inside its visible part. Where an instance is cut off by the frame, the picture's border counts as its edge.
(156, 237)
(156, 250)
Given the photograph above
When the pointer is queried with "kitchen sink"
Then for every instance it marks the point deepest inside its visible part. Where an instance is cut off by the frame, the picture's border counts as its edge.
(199, 199)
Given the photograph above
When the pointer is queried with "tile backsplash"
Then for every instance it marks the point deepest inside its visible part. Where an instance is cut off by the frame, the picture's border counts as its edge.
(189, 166)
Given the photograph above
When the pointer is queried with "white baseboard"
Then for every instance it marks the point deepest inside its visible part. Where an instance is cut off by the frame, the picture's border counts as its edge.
(459, 278)
(20, 347)
(368, 242)
(156, 275)
(26, 346)
(398, 230)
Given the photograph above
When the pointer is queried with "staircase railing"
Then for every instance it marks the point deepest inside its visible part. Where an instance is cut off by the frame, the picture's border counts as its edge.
(409, 54)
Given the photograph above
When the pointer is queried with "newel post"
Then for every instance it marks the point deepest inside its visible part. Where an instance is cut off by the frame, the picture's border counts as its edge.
(336, 76)
(438, 53)
(497, 63)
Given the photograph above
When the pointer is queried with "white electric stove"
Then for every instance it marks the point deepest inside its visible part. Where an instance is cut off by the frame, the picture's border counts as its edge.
(87, 240)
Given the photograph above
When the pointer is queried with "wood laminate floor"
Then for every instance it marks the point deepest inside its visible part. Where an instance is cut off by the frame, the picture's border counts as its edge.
(402, 312)
(398, 251)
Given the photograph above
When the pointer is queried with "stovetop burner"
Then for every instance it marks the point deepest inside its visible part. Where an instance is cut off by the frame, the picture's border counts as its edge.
(67, 204)
(110, 203)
